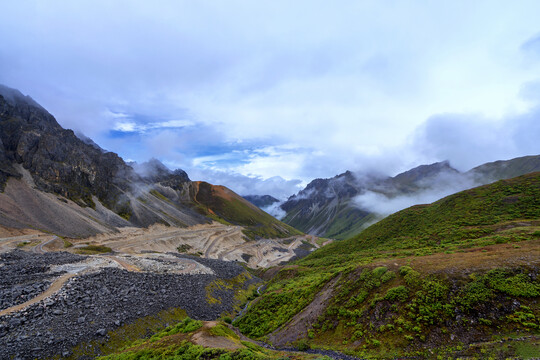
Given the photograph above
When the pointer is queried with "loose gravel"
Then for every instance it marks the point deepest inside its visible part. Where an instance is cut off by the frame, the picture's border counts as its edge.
(88, 306)
(25, 275)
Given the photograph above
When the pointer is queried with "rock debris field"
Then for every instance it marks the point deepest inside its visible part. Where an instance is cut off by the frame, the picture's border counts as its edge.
(91, 304)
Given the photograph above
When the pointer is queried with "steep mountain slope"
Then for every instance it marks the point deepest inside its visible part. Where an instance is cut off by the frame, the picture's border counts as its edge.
(222, 203)
(53, 181)
(448, 279)
(499, 170)
(329, 207)
(325, 204)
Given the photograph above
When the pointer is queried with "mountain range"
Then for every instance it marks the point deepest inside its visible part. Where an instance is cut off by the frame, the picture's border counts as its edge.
(457, 278)
(340, 207)
(54, 181)
(101, 253)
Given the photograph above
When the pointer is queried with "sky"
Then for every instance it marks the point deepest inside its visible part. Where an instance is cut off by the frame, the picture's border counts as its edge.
(264, 96)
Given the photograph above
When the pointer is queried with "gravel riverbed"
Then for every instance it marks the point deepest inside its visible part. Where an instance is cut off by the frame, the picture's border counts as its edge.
(25, 275)
(88, 306)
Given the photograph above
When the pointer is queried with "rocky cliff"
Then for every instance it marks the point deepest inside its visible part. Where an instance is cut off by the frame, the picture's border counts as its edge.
(53, 180)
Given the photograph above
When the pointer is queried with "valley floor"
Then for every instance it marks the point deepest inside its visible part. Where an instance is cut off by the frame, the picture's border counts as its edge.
(60, 293)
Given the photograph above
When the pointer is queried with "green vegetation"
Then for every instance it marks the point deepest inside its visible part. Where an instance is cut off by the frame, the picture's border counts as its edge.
(506, 211)
(345, 221)
(185, 326)
(124, 209)
(223, 330)
(184, 248)
(67, 244)
(390, 299)
(228, 208)
(129, 334)
(94, 249)
(174, 343)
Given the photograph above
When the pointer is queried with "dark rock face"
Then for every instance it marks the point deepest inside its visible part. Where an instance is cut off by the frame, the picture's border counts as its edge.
(155, 172)
(61, 163)
(322, 190)
(6, 169)
(57, 159)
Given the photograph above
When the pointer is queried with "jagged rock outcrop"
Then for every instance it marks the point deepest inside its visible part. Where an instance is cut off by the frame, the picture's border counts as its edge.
(56, 161)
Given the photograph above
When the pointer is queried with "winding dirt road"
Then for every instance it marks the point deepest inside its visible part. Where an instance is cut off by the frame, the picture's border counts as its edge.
(38, 249)
(55, 286)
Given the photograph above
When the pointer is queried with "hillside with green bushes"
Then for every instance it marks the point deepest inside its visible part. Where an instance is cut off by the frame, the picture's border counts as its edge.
(456, 278)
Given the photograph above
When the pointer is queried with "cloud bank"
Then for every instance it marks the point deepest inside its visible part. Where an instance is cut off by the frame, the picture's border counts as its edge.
(242, 92)
(442, 185)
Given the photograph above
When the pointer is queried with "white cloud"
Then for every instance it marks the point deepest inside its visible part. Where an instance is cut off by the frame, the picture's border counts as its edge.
(126, 126)
(300, 90)
(275, 210)
(443, 185)
(131, 126)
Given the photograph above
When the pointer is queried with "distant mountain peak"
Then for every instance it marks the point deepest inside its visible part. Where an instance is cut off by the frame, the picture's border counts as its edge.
(328, 207)
(14, 97)
(423, 171)
(261, 200)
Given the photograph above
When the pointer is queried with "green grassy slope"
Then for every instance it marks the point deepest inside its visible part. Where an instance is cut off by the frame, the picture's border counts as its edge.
(339, 221)
(194, 339)
(448, 279)
(507, 169)
(224, 205)
(458, 219)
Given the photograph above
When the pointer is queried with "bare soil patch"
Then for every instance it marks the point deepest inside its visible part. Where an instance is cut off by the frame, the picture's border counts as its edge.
(299, 325)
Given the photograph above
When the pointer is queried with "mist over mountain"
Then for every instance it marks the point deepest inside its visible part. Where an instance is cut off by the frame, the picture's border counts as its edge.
(342, 206)
(55, 180)
(261, 200)
(269, 180)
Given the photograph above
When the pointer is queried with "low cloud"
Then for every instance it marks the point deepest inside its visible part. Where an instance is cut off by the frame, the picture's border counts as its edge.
(469, 140)
(275, 210)
(245, 185)
(433, 189)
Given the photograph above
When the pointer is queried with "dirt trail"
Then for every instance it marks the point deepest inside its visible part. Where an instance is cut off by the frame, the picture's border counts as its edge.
(9, 243)
(204, 338)
(55, 286)
(214, 241)
(297, 327)
(38, 249)
(123, 264)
